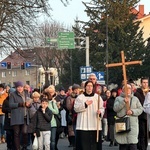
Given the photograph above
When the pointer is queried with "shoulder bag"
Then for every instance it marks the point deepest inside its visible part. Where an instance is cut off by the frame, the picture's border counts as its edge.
(122, 124)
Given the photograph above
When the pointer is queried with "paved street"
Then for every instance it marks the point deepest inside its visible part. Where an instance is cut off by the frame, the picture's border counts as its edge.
(63, 145)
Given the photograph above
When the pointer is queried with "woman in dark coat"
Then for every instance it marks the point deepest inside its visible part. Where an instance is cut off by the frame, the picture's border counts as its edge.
(19, 104)
(111, 116)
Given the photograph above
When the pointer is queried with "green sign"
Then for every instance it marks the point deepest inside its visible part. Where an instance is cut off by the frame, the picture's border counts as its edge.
(66, 40)
(53, 40)
(48, 40)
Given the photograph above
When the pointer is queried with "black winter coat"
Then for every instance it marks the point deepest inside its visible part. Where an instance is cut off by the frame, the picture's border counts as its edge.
(143, 129)
(110, 112)
(139, 94)
(43, 120)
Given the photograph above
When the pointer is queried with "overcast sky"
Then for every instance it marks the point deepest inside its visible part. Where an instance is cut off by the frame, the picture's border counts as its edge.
(68, 14)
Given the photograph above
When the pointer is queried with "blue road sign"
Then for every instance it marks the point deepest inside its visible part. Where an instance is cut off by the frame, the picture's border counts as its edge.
(99, 75)
(28, 64)
(85, 71)
(4, 64)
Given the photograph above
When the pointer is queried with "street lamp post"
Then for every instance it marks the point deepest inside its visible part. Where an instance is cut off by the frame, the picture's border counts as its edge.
(71, 66)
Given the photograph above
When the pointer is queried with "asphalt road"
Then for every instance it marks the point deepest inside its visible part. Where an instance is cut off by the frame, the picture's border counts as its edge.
(63, 145)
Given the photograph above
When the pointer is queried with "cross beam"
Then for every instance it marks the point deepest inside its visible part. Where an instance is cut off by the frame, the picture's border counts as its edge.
(124, 64)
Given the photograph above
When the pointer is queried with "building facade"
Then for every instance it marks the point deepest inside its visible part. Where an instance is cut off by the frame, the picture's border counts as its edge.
(23, 65)
(144, 21)
(27, 76)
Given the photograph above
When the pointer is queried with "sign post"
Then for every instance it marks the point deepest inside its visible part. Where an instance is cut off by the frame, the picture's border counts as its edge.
(99, 75)
(85, 71)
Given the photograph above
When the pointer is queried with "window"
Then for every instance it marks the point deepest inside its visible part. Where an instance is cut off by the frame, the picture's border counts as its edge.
(14, 73)
(28, 82)
(3, 74)
(27, 72)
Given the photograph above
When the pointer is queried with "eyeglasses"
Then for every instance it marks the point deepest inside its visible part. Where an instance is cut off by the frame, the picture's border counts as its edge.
(92, 79)
(89, 85)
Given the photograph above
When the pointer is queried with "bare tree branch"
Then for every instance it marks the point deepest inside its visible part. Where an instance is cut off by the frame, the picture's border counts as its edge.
(18, 19)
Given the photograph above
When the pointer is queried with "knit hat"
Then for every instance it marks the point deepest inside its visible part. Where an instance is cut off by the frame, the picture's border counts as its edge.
(11, 90)
(1, 86)
(62, 89)
(75, 86)
(131, 81)
(18, 83)
(114, 90)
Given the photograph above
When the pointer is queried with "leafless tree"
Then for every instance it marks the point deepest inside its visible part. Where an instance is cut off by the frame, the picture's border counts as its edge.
(18, 19)
(48, 54)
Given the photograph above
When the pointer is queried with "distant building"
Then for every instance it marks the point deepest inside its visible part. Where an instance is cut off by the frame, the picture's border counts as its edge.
(26, 68)
(145, 21)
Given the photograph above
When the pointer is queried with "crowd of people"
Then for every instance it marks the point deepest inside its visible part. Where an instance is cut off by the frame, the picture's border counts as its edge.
(85, 114)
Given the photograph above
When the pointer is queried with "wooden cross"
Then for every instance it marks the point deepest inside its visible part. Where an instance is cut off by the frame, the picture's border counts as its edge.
(124, 64)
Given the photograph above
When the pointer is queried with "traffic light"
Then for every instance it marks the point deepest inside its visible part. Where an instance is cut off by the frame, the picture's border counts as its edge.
(9, 65)
(23, 66)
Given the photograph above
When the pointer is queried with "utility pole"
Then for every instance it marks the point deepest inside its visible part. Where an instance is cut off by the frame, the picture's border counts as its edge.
(87, 51)
(107, 73)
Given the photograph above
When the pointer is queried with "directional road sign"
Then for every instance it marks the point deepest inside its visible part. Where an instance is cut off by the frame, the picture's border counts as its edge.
(3, 64)
(99, 75)
(53, 40)
(66, 40)
(49, 40)
(85, 71)
(28, 64)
